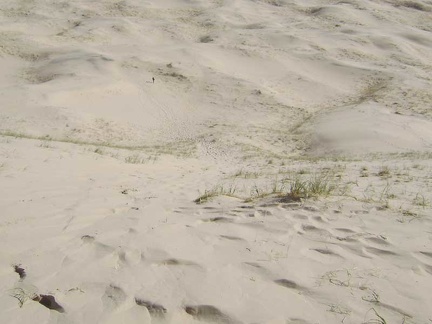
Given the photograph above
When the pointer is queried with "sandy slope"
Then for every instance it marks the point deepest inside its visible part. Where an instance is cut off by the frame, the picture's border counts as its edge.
(100, 167)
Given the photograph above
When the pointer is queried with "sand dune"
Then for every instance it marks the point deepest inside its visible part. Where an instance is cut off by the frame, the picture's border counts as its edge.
(278, 170)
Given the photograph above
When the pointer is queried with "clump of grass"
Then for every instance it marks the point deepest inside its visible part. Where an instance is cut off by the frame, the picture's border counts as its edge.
(384, 172)
(372, 298)
(297, 188)
(339, 309)
(378, 320)
(22, 296)
(216, 191)
(317, 185)
(408, 214)
(137, 159)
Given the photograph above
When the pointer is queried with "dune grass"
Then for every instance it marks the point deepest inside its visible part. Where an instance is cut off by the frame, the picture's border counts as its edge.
(295, 188)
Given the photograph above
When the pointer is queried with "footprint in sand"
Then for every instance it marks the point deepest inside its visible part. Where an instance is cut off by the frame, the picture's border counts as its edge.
(380, 252)
(113, 297)
(25, 291)
(21, 272)
(377, 240)
(424, 258)
(155, 310)
(287, 283)
(208, 313)
(177, 262)
(345, 230)
(231, 238)
(219, 220)
(87, 238)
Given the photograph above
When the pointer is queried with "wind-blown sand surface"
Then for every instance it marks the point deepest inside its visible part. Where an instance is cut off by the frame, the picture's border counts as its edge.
(279, 170)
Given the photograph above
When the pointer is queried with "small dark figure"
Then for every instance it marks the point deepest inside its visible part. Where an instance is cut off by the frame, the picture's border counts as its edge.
(153, 79)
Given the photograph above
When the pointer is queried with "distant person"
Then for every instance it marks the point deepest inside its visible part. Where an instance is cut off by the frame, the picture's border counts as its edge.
(153, 79)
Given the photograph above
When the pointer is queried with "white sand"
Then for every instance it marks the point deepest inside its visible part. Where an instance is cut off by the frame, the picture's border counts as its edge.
(100, 168)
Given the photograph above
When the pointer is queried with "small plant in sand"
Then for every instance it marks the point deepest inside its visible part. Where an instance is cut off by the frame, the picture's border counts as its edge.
(338, 309)
(22, 296)
(420, 200)
(98, 150)
(246, 174)
(364, 172)
(216, 191)
(407, 215)
(45, 144)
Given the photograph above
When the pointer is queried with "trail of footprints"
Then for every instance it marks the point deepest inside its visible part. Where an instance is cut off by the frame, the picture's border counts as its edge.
(281, 220)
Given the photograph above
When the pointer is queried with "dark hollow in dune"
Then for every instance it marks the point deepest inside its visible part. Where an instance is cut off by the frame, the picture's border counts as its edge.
(49, 302)
(153, 309)
(286, 283)
(21, 272)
